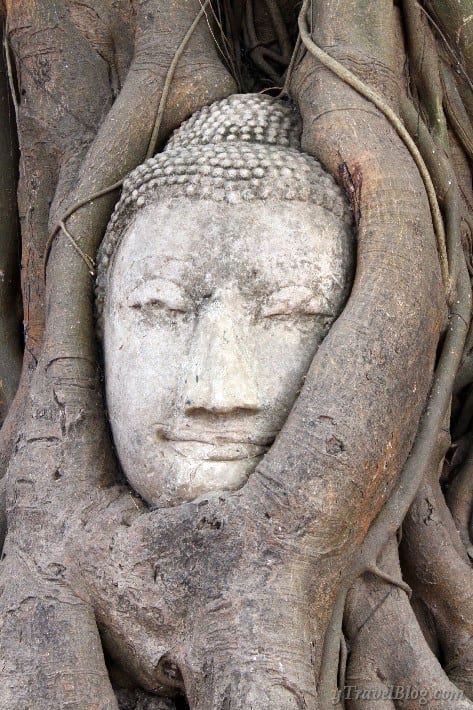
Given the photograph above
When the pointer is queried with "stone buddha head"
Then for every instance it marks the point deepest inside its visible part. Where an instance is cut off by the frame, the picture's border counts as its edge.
(227, 259)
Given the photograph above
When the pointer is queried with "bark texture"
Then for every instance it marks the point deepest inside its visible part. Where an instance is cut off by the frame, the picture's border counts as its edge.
(230, 599)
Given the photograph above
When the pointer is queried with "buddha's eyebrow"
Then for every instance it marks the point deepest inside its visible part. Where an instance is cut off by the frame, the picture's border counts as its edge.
(166, 268)
(160, 260)
(301, 293)
(154, 279)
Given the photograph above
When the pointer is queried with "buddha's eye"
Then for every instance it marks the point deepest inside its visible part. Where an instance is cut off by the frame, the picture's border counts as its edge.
(160, 295)
(159, 303)
(296, 301)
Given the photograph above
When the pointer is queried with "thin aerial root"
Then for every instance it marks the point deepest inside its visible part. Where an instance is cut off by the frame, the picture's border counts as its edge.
(342, 671)
(11, 83)
(445, 180)
(459, 498)
(280, 29)
(224, 48)
(169, 78)
(456, 112)
(232, 31)
(296, 57)
(425, 70)
(77, 206)
(359, 86)
(374, 569)
(458, 63)
(85, 257)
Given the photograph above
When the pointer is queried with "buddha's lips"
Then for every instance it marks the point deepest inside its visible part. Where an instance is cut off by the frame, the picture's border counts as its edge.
(216, 452)
(215, 446)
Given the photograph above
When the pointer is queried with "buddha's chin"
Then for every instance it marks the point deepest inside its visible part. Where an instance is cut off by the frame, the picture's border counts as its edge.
(188, 478)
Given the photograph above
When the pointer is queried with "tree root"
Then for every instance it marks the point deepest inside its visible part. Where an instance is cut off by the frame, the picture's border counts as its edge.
(271, 53)
(442, 578)
(424, 69)
(455, 21)
(418, 465)
(456, 112)
(419, 462)
(153, 141)
(352, 80)
(179, 594)
(459, 496)
(390, 662)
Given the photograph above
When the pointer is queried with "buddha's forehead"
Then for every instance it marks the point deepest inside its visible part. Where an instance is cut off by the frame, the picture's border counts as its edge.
(273, 241)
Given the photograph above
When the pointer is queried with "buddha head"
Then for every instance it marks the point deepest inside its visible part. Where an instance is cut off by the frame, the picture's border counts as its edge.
(226, 261)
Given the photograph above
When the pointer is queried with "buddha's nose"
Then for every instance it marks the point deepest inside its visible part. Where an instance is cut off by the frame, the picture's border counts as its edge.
(219, 376)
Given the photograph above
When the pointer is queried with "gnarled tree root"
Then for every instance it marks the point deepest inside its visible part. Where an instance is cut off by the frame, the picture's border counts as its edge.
(179, 594)
(442, 578)
(390, 663)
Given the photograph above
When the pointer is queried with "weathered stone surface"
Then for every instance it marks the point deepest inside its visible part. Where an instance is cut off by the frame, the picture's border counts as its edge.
(212, 309)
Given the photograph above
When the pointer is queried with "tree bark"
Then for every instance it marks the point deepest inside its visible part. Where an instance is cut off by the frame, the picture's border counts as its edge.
(228, 599)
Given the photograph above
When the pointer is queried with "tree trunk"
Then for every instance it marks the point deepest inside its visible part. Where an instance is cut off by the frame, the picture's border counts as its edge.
(236, 600)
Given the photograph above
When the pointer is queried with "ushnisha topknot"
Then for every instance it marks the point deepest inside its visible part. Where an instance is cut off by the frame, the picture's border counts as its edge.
(247, 118)
(238, 150)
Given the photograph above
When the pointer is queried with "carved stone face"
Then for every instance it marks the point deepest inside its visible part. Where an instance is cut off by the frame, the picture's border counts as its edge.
(212, 316)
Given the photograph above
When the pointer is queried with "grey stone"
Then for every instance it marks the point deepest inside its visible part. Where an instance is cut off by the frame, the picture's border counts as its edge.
(222, 269)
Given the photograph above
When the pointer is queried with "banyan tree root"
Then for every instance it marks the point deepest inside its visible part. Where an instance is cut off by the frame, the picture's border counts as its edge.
(460, 501)
(58, 114)
(390, 662)
(226, 599)
(442, 578)
(453, 21)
